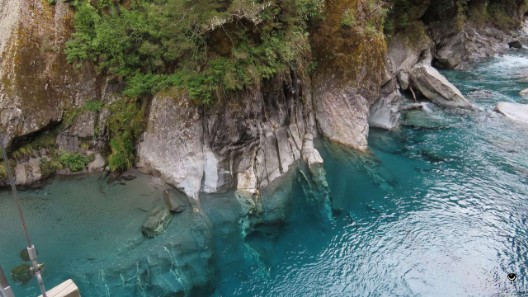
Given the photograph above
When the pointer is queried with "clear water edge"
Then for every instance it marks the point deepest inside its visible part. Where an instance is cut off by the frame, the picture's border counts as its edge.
(438, 209)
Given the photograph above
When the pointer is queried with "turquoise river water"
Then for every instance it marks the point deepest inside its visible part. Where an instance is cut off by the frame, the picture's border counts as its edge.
(439, 208)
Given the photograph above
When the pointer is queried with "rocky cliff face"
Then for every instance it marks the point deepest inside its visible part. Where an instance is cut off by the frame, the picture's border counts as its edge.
(246, 140)
(352, 69)
(37, 85)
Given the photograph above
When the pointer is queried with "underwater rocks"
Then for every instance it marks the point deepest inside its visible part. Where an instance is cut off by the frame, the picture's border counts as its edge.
(157, 221)
(450, 54)
(22, 274)
(514, 111)
(175, 202)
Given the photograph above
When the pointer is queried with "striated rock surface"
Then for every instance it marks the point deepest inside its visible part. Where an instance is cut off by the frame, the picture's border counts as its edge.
(173, 143)
(515, 111)
(243, 143)
(451, 51)
(342, 116)
(28, 172)
(435, 87)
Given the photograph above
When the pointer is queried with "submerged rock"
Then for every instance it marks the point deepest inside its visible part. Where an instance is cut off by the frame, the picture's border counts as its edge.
(424, 120)
(128, 177)
(412, 106)
(435, 87)
(22, 274)
(157, 222)
(175, 202)
(524, 93)
(515, 111)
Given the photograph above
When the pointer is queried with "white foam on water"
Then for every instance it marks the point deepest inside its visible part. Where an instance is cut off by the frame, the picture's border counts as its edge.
(510, 65)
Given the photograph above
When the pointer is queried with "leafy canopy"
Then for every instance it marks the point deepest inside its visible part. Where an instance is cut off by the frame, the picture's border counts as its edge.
(204, 47)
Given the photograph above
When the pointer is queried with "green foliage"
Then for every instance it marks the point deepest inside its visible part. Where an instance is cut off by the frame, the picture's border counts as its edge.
(3, 168)
(125, 125)
(69, 116)
(23, 152)
(22, 274)
(348, 19)
(207, 48)
(49, 167)
(42, 141)
(3, 171)
(310, 10)
(503, 13)
(74, 161)
(93, 106)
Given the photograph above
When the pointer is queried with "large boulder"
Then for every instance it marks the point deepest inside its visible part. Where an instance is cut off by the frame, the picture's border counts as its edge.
(28, 172)
(404, 53)
(457, 47)
(435, 87)
(342, 117)
(515, 111)
(515, 44)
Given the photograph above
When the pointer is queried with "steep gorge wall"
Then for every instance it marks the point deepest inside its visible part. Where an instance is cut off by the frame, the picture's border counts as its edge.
(242, 143)
(248, 139)
(352, 69)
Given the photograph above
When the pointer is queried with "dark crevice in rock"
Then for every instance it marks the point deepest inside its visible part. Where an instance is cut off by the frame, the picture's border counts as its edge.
(22, 140)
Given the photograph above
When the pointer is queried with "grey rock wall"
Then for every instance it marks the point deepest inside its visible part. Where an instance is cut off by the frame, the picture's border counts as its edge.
(241, 143)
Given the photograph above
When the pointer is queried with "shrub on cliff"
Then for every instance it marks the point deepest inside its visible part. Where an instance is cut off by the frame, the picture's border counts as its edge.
(75, 161)
(206, 48)
(125, 125)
